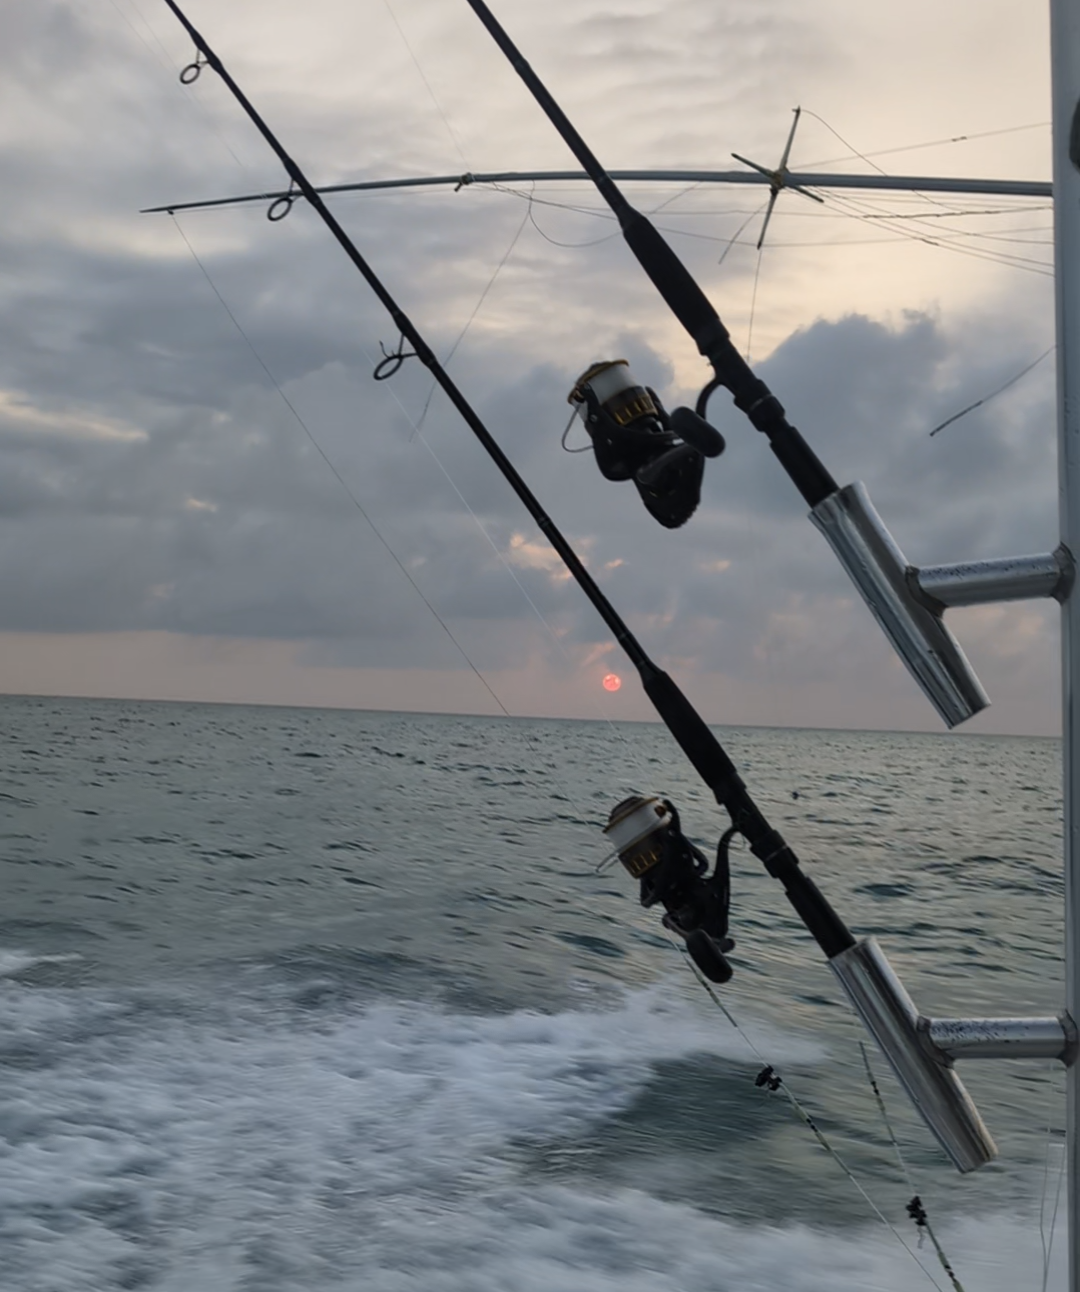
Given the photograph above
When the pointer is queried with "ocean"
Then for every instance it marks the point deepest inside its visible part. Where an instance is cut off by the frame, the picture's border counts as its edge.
(339, 1001)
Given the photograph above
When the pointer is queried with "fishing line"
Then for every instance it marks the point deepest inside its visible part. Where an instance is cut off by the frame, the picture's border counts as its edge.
(170, 64)
(427, 85)
(469, 322)
(166, 61)
(566, 794)
(844, 208)
(902, 198)
(854, 151)
(932, 143)
(734, 239)
(931, 200)
(1048, 1243)
(915, 1207)
(601, 213)
(750, 516)
(573, 246)
(418, 435)
(858, 210)
(753, 303)
(864, 209)
(675, 197)
(637, 752)
(337, 474)
(985, 234)
(417, 426)
(994, 393)
(563, 788)
(945, 215)
(863, 157)
(288, 403)
(769, 1079)
(567, 556)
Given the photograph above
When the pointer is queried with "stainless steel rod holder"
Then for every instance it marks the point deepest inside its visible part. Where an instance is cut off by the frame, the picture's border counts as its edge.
(868, 552)
(934, 1088)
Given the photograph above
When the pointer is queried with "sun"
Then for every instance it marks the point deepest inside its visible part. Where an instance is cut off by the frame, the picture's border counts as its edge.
(612, 682)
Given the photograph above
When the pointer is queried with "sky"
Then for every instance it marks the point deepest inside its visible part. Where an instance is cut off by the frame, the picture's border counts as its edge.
(205, 496)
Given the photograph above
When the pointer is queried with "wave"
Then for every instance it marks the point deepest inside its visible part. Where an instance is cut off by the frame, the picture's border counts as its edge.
(236, 1144)
(16, 962)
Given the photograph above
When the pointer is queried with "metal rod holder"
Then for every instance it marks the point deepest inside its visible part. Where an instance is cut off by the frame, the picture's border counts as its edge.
(877, 567)
(934, 1088)
(921, 1050)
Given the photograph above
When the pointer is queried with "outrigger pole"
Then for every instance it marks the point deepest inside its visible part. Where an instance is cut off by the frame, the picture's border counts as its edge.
(781, 177)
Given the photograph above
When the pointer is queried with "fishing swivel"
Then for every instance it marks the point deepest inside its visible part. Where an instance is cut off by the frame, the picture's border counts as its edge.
(635, 438)
(649, 842)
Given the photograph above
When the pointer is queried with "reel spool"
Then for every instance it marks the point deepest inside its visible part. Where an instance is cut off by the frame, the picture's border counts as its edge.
(646, 835)
(635, 438)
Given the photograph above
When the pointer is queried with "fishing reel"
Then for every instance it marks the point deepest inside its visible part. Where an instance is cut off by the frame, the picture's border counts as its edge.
(647, 837)
(635, 438)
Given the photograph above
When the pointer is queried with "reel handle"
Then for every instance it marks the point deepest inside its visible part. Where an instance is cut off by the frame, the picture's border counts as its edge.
(696, 431)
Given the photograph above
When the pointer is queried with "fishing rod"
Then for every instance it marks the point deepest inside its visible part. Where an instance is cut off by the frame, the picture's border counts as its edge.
(646, 832)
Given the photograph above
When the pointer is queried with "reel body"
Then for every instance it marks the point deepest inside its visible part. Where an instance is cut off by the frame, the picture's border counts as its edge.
(646, 834)
(634, 438)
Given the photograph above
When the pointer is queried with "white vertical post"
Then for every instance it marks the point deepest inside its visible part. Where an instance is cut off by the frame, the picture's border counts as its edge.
(1065, 75)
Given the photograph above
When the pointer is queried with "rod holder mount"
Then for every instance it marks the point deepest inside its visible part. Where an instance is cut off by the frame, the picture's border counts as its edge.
(999, 1038)
(1008, 578)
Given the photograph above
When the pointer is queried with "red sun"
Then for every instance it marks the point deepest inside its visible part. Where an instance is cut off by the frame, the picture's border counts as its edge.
(612, 682)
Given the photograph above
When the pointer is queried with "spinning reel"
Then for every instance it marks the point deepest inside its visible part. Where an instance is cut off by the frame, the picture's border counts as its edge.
(672, 871)
(635, 438)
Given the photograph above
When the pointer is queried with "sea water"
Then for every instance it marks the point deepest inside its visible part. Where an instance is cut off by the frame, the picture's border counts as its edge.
(320, 1000)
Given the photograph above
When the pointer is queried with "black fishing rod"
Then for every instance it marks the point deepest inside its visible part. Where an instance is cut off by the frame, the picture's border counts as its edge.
(680, 290)
(696, 904)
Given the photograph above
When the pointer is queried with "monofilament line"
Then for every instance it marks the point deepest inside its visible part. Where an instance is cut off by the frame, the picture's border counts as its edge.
(338, 476)
(804, 1115)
